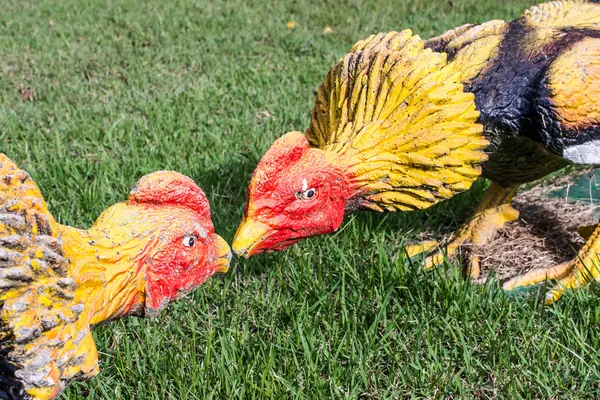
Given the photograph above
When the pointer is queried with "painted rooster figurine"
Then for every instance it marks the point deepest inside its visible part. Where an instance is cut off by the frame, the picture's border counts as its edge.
(57, 281)
(401, 124)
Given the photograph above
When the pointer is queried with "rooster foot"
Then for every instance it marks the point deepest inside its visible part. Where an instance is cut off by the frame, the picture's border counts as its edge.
(571, 275)
(490, 215)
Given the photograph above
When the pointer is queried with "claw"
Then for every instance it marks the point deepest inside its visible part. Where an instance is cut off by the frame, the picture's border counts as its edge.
(553, 295)
(571, 275)
(539, 275)
(436, 259)
(419, 248)
(493, 211)
(581, 274)
(474, 268)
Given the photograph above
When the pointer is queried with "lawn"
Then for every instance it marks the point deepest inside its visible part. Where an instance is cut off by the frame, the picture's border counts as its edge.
(94, 94)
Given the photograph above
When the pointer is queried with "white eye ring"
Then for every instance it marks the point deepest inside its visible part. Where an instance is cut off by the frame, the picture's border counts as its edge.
(189, 241)
(307, 194)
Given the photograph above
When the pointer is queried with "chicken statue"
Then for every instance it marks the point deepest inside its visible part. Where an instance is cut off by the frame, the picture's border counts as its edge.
(57, 281)
(400, 124)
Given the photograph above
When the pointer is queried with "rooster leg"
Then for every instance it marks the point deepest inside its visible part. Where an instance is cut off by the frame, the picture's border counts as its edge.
(571, 275)
(492, 212)
(419, 248)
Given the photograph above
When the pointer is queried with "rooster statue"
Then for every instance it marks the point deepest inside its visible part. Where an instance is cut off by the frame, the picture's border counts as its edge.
(400, 124)
(57, 281)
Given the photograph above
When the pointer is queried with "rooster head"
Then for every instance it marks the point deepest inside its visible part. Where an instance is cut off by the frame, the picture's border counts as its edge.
(165, 229)
(296, 191)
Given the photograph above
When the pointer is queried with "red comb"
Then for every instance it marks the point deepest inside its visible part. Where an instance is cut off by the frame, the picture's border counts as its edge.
(288, 148)
(170, 188)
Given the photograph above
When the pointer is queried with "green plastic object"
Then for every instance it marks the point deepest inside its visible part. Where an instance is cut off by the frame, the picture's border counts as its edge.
(584, 188)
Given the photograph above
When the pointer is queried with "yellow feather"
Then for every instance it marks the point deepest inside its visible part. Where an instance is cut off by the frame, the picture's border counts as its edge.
(573, 81)
(397, 116)
(563, 14)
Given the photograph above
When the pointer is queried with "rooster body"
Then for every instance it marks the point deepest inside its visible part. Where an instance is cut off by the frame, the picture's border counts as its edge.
(57, 281)
(536, 82)
(400, 124)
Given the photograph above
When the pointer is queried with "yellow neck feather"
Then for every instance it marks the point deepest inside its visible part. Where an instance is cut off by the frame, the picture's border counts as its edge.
(398, 117)
(106, 272)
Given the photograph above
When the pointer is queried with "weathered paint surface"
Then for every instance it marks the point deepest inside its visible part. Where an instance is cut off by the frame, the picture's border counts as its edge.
(57, 281)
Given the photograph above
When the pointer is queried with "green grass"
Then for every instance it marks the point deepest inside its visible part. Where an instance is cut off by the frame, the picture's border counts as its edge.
(126, 87)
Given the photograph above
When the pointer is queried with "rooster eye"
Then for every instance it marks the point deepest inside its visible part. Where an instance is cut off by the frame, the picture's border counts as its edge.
(307, 194)
(188, 241)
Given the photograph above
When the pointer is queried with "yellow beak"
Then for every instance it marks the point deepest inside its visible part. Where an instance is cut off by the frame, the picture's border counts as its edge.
(224, 254)
(248, 236)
